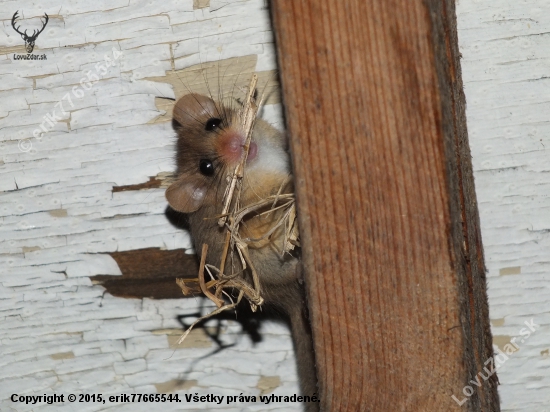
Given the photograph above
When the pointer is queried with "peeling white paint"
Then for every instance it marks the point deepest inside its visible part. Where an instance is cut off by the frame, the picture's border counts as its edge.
(57, 207)
(506, 49)
(48, 305)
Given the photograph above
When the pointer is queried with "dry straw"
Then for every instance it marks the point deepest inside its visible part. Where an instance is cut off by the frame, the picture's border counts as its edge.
(231, 217)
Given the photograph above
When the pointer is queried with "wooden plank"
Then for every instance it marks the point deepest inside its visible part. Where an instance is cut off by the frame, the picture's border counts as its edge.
(388, 217)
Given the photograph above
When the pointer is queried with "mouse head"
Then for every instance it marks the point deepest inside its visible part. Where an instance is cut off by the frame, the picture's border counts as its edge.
(210, 145)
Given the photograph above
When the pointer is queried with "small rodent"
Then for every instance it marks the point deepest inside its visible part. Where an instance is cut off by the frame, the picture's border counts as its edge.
(209, 147)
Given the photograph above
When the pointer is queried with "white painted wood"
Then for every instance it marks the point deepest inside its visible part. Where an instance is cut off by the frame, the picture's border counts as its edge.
(62, 334)
(506, 49)
(58, 216)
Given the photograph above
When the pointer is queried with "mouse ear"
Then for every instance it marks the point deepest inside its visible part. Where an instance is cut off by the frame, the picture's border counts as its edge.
(192, 107)
(185, 196)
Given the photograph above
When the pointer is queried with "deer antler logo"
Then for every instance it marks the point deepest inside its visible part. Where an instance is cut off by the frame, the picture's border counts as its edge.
(29, 40)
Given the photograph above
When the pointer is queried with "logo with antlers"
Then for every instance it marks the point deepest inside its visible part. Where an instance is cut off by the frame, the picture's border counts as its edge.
(29, 40)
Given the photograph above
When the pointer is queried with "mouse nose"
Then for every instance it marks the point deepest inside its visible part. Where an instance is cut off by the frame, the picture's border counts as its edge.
(231, 146)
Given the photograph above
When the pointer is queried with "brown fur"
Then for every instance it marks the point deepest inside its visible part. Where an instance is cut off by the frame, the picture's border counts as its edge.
(201, 197)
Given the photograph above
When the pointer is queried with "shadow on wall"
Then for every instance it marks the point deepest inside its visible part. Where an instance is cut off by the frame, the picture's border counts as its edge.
(152, 272)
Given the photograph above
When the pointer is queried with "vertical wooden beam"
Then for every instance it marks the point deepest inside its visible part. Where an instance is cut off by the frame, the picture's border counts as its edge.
(388, 217)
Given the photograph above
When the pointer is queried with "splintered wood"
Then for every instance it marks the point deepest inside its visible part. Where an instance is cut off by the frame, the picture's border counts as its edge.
(231, 217)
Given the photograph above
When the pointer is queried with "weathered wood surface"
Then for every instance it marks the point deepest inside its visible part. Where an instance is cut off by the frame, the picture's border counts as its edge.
(505, 48)
(87, 197)
(63, 333)
(151, 273)
(391, 242)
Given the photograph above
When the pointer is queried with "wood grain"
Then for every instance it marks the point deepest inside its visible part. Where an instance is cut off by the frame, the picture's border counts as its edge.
(387, 209)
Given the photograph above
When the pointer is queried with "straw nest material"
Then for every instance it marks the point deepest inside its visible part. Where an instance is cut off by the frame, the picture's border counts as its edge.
(281, 205)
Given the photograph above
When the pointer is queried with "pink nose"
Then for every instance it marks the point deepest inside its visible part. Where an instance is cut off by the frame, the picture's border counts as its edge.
(230, 146)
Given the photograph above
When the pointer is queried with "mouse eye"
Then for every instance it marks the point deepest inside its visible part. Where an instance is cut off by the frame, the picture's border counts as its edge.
(206, 167)
(212, 123)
